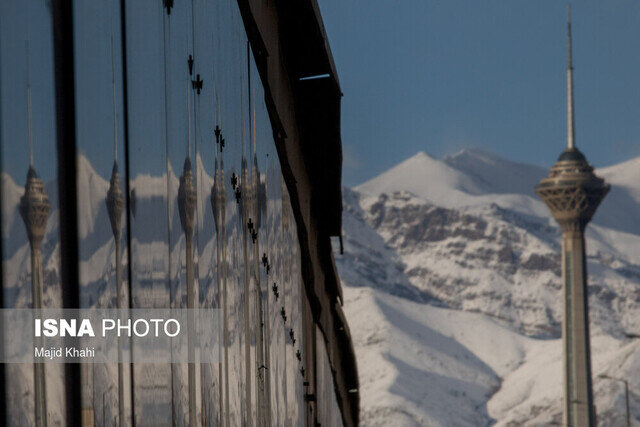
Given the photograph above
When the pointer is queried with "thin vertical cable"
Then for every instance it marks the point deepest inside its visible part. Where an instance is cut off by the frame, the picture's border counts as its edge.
(125, 118)
(29, 107)
(115, 117)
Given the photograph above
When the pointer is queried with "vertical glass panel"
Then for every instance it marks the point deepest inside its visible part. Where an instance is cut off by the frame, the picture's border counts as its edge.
(147, 28)
(182, 195)
(262, 145)
(231, 79)
(290, 303)
(101, 199)
(327, 405)
(249, 219)
(265, 175)
(322, 407)
(30, 226)
(226, 182)
(297, 321)
(276, 279)
(219, 194)
(208, 182)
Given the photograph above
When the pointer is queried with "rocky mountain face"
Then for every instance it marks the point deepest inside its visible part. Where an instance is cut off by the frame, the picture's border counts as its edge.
(486, 254)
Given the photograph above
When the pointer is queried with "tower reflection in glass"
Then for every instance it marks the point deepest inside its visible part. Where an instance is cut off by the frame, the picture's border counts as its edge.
(34, 210)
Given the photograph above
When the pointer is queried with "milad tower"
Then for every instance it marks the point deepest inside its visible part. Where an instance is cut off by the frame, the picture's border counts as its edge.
(34, 209)
(573, 192)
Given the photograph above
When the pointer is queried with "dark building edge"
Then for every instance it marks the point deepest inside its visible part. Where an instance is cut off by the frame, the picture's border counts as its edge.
(65, 109)
(289, 43)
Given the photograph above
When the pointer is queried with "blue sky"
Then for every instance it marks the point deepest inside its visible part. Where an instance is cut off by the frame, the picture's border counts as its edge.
(440, 76)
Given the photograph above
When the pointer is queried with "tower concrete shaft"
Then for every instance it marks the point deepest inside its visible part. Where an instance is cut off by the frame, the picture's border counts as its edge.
(34, 209)
(186, 208)
(115, 206)
(572, 192)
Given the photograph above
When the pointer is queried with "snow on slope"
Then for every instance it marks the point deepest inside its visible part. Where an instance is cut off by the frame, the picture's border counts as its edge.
(425, 365)
(496, 175)
(443, 184)
(413, 367)
(413, 173)
(622, 207)
(626, 174)
(452, 292)
(532, 392)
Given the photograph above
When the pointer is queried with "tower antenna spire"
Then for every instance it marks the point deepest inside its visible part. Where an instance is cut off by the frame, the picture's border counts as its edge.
(29, 107)
(115, 125)
(570, 119)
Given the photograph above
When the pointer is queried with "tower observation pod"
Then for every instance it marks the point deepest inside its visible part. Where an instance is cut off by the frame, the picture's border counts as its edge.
(572, 192)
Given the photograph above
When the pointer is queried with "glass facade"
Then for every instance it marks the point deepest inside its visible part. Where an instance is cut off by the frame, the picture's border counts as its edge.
(30, 250)
(181, 203)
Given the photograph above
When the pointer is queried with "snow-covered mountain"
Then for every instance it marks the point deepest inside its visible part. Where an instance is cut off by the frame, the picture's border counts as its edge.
(453, 294)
